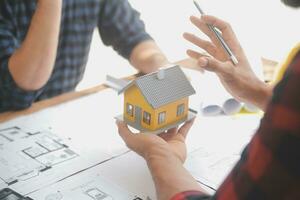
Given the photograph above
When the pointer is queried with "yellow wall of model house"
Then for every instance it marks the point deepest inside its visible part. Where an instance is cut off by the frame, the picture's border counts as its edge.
(171, 113)
(134, 97)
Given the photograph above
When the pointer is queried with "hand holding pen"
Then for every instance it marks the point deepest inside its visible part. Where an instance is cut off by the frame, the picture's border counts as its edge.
(218, 35)
(237, 77)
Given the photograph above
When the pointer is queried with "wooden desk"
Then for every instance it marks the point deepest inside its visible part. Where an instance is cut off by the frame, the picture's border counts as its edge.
(187, 63)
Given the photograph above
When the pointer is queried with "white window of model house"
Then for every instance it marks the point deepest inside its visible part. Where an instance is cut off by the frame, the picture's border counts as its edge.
(147, 118)
(129, 109)
(161, 117)
(180, 110)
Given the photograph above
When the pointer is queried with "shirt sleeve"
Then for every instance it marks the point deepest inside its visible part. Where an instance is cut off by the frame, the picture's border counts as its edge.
(191, 195)
(11, 96)
(269, 165)
(120, 26)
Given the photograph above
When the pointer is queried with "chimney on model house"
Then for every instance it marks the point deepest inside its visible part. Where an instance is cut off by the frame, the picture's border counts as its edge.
(161, 74)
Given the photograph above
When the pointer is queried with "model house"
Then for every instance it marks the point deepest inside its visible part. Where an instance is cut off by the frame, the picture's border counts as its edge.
(157, 100)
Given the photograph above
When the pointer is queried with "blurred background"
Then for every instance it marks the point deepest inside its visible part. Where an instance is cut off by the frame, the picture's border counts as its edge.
(265, 29)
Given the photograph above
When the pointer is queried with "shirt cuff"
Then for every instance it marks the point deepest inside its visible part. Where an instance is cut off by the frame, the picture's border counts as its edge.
(191, 195)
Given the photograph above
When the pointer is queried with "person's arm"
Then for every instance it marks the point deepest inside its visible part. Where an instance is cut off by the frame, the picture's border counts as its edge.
(269, 165)
(239, 80)
(165, 156)
(120, 26)
(169, 175)
(32, 64)
(147, 57)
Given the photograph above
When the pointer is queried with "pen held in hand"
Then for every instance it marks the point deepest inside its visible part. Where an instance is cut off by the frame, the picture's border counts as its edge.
(219, 37)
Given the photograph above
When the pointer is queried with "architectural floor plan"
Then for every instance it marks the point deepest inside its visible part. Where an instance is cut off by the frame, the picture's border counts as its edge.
(24, 155)
(89, 185)
(73, 151)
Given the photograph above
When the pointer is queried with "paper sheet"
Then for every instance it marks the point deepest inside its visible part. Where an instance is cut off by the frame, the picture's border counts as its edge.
(131, 173)
(85, 186)
(88, 121)
(210, 168)
(28, 162)
(87, 127)
(126, 177)
(2, 185)
(215, 145)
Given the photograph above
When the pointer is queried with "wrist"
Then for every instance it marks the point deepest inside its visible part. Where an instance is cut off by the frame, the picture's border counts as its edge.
(169, 175)
(156, 62)
(158, 152)
(159, 161)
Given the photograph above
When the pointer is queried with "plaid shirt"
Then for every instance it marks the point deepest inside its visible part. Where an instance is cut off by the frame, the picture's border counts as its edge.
(270, 165)
(119, 26)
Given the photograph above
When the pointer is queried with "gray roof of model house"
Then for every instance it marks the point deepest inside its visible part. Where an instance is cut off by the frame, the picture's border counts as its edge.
(163, 87)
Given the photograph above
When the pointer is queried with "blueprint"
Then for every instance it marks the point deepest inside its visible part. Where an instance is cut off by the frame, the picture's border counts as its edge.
(24, 155)
(89, 185)
(210, 168)
(130, 172)
(50, 146)
(74, 151)
(215, 145)
(2, 185)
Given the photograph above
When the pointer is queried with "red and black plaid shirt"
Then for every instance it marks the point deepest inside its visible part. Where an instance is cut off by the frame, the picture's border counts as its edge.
(270, 165)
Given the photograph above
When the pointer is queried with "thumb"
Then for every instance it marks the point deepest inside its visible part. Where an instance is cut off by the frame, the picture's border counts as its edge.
(213, 65)
(184, 130)
(124, 131)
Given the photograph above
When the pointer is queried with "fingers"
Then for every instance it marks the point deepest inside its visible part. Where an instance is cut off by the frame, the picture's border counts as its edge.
(125, 133)
(172, 130)
(168, 134)
(206, 45)
(223, 26)
(227, 32)
(185, 128)
(199, 23)
(214, 65)
(194, 54)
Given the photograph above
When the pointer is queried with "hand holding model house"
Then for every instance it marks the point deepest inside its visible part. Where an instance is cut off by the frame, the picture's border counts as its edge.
(158, 101)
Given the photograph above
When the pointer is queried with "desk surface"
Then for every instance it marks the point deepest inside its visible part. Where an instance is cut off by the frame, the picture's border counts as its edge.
(187, 63)
(73, 118)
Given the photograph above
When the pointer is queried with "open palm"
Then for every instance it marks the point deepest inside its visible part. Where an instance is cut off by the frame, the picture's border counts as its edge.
(148, 145)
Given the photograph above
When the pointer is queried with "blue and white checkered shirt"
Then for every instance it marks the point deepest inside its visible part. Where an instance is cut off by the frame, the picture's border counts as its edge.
(119, 26)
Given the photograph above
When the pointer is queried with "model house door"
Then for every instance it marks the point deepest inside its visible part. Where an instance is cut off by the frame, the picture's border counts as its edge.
(138, 115)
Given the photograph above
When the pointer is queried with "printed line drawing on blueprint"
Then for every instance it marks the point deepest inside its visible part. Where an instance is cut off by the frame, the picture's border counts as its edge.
(89, 185)
(25, 155)
(31, 160)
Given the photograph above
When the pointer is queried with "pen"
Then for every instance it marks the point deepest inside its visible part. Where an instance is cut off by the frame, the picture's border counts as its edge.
(219, 37)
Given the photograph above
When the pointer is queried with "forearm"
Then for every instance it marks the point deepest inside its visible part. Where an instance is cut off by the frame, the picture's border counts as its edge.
(169, 175)
(147, 57)
(32, 64)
